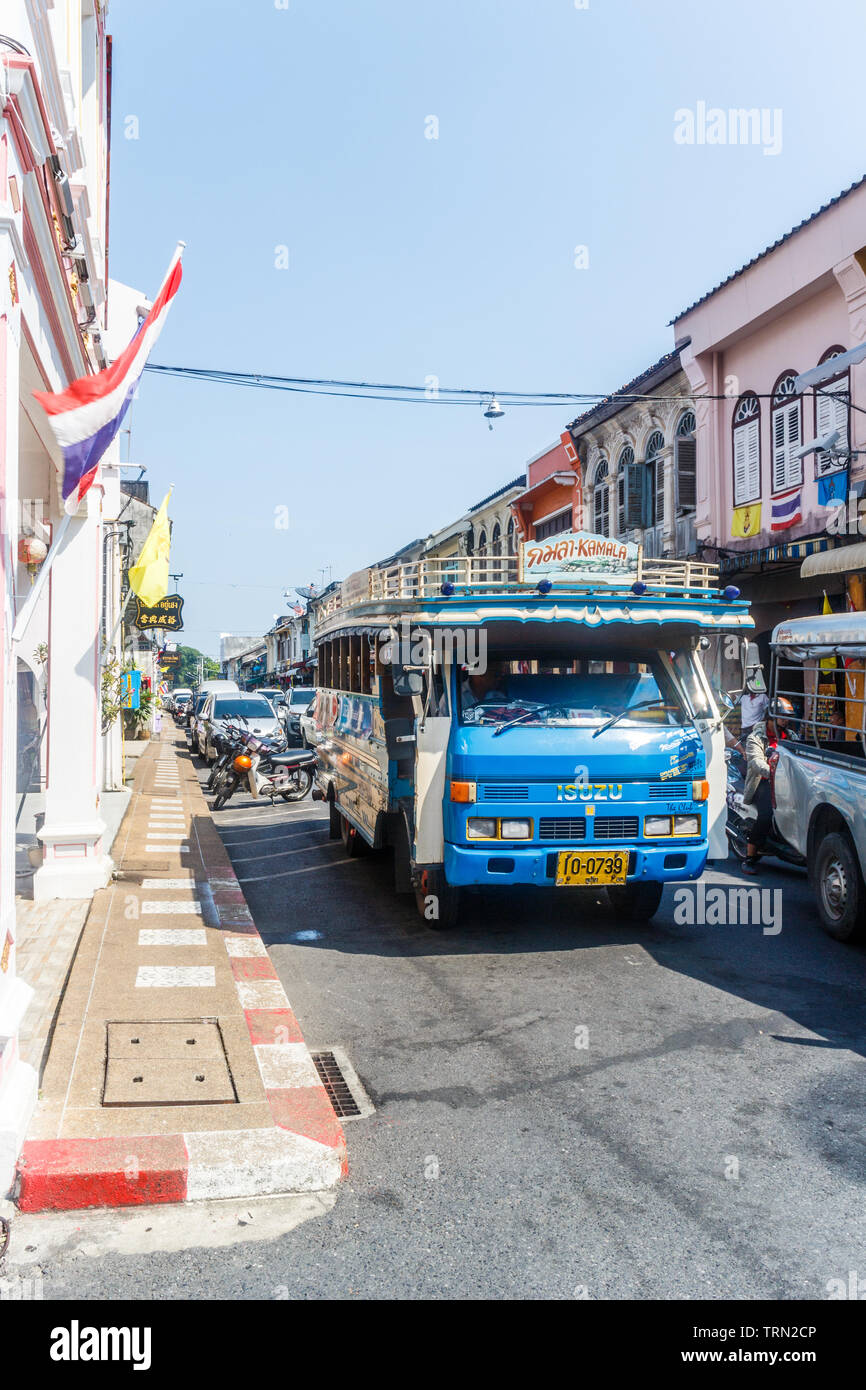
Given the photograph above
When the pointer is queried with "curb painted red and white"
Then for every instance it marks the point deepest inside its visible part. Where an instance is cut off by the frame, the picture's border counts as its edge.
(304, 1150)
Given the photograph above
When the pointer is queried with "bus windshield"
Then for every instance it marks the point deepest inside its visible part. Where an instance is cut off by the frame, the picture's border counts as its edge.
(572, 693)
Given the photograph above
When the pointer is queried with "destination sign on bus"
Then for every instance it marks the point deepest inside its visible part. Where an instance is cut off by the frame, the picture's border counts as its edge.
(578, 557)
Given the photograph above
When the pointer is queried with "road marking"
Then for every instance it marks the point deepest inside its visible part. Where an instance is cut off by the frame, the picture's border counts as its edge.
(175, 977)
(157, 849)
(171, 936)
(188, 909)
(262, 994)
(286, 1064)
(245, 946)
(287, 873)
(281, 853)
(169, 882)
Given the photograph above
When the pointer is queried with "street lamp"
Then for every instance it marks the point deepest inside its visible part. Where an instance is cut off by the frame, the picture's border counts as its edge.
(826, 371)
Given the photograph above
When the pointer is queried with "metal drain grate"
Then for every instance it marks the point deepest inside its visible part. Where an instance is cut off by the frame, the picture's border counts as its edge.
(335, 1084)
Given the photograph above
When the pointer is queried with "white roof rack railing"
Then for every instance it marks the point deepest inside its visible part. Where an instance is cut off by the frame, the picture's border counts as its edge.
(423, 579)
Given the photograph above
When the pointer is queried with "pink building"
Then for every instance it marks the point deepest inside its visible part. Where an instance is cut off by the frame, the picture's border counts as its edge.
(761, 508)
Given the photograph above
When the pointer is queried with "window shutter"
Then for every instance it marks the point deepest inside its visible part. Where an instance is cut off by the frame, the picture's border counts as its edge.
(787, 468)
(831, 413)
(686, 471)
(636, 510)
(779, 454)
(657, 482)
(741, 486)
(753, 460)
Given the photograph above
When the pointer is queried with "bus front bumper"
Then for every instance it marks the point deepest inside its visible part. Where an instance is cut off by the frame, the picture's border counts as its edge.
(534, 864)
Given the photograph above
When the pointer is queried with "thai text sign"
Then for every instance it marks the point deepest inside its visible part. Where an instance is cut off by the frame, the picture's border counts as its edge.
(167, 614)
(130, 689)
(579, 557)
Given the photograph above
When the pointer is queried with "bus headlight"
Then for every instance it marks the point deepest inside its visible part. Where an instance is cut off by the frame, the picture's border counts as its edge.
(687, 825)
(515, 829)
(658, 825)
(480, 828)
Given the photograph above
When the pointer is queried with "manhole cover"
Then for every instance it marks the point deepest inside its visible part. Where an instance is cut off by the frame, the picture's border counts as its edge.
(167, 1064)
(341, 1082)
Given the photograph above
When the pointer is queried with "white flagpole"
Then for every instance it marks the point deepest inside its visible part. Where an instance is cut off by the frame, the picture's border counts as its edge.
(27, 610)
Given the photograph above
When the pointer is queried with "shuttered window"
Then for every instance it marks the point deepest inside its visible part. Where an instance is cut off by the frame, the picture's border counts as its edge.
(747, 450)
(601, 500)
(656, 467)
(787, 435)
(685, 460)
(626, 459)
(831, 413)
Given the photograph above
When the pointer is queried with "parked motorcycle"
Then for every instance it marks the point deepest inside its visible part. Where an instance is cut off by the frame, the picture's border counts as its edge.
(742, 814)
(268, 770)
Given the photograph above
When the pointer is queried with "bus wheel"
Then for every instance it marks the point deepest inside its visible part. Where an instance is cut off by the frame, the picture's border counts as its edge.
(334, 821)
(353, 840)
(839, 885)
(636, 901)
(438, 902)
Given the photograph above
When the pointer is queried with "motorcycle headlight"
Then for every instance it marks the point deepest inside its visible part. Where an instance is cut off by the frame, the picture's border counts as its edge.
(515, 829)
(658, 825)
(687, 825)
(480, 828)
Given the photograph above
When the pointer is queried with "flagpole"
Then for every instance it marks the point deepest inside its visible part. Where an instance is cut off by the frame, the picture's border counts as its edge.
(30, 602)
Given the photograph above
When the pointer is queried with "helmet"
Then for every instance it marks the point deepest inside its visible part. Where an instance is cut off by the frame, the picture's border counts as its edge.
(780, 709)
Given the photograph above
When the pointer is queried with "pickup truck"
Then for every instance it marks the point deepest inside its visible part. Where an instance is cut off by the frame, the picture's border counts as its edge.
(819, 783)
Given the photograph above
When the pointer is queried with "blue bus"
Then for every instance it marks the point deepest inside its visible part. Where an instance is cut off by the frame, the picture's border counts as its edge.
(546, 722)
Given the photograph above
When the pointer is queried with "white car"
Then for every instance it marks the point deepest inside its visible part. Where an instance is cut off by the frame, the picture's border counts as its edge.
(310, 735)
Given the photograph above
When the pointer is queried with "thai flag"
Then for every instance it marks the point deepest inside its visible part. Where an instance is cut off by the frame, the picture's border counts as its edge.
(87, 416)
(785, 511)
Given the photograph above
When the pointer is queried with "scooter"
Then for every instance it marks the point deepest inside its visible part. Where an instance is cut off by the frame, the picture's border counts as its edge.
(742, 814)
(268, 772)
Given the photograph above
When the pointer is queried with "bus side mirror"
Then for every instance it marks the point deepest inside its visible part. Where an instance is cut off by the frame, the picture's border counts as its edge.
(408, 682)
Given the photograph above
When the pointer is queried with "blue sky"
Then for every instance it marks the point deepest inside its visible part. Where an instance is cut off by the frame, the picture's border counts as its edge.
(262, 127)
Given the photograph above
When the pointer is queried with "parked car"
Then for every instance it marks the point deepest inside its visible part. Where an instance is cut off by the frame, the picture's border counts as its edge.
(298, 698)
(193, 714)
(180, 702)
(309, 733)
(252, 710)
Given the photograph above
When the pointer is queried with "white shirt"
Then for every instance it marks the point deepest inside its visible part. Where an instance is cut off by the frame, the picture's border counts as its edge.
(752, 709)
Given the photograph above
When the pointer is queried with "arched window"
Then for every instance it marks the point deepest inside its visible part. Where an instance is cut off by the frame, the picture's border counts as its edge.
(496, 540)
(684, 462)
(626, 459)
(832, 411)
(601, 499)
(655, 464)
(746, 428)
(786, 434)
(482, 543)
(511, 538)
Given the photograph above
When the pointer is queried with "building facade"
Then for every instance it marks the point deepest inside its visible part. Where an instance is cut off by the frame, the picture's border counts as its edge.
(53, 290)
(763, 509)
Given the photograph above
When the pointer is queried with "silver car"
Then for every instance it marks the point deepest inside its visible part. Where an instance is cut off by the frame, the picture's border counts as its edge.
(251, 712)
(299, 698)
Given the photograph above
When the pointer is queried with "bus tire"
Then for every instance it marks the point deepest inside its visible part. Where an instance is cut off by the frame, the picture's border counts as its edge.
(637, 902)
(839, 888)
(334, 819)
(437, 901)
(353, 841)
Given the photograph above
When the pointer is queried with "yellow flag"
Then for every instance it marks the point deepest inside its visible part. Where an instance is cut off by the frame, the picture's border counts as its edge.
(827, 663)
(746, 521)
(149, 578)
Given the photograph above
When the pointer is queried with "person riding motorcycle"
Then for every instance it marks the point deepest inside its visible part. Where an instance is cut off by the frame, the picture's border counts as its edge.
(759, 747)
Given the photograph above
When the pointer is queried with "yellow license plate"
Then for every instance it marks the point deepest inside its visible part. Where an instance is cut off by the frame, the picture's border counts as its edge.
(585, 868)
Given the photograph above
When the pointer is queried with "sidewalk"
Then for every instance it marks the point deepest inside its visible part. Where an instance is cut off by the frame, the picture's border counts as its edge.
(177, 1069)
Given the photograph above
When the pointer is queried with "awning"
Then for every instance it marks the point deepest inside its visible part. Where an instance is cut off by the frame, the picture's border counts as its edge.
(841, 560)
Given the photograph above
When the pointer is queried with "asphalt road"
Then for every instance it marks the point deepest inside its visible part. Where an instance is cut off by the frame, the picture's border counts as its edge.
(565, 1105)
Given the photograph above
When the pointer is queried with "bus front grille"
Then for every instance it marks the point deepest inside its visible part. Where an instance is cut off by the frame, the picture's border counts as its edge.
(562, 828)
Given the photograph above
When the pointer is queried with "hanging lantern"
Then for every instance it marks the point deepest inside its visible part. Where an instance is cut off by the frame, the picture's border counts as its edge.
(32, 552)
